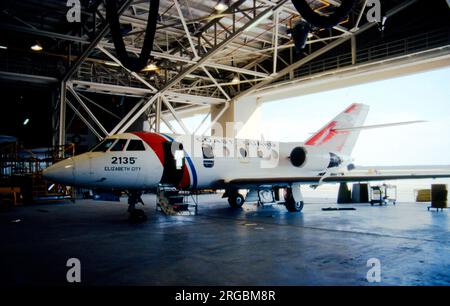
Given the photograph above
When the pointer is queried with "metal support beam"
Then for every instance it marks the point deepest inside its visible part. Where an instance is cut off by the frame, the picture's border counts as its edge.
(127, 116)
(75, 110)
(62, 115)
(88, 111)
(137, 114)
(266, 13)
(158, 115)
(94, 43)
(134, 74)
(219, 115)
(42, 33)
(182, 59)
(355, 28)
(215, 83)
(236, 69)
(174, 113)
(321, 51)
(353, 46)
(202, 122)
(99, 106)
(167, 123)
(186, 30)
(275, 42)
(295, 65)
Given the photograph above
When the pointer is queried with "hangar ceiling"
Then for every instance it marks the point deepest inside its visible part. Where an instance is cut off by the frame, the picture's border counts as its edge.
(202, 56)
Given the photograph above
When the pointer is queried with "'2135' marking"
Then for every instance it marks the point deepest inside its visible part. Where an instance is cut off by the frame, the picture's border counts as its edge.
(123, 160)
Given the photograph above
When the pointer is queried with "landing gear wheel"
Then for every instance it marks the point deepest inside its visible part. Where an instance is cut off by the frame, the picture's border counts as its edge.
(290, 203)
(236, 200)
(294, 206)
(136, 215)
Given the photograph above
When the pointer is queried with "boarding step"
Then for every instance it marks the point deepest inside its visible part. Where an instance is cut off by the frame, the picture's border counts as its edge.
(172, 201)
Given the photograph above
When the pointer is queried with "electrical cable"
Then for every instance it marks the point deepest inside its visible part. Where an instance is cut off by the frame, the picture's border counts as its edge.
(131, 63)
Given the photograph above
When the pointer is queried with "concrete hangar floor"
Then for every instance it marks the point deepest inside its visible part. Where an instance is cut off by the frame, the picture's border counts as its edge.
(220, 246)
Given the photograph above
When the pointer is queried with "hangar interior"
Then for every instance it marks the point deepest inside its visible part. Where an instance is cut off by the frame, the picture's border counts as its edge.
(65, 88)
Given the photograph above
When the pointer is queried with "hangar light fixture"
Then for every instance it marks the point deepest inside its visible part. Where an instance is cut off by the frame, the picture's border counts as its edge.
(235, 79)
(150, 67)
(112, 64)
(3, 47)
(221, 6)
(25, 122)
(37, 47)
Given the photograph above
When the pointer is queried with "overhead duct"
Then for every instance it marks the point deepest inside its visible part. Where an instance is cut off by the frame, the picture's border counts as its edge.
(134, 64)
(299, 34)
(320, 21)
(301, 30)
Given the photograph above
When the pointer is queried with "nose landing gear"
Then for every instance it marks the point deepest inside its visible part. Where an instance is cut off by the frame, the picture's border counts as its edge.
(136, 215)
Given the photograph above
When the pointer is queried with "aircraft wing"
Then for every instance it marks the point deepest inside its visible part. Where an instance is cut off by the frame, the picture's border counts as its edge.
(359, 174)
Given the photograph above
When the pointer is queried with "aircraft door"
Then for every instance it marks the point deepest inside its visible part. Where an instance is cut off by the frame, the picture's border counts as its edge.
(174, 163)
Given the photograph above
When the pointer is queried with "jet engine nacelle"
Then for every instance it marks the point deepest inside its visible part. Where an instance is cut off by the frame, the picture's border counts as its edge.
(314, 159)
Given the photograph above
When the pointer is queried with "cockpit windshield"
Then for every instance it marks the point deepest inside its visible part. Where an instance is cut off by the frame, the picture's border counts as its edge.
(135, 145)
(104, 145)
(119, 145)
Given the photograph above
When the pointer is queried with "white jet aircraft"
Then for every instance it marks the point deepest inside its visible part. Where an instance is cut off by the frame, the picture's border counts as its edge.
(141, 161)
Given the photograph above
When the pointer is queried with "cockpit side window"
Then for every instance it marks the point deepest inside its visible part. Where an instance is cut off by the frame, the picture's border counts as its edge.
(135, 145)
(104, 145)
(119, 145)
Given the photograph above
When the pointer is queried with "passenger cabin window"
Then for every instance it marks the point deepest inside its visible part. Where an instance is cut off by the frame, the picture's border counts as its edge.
(243, 152)
(135, 145)
(208, 151)
(119, 145)
(104, 145)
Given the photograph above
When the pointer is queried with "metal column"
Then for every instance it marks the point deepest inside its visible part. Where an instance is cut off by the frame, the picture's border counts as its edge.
(62, 115)
(353, 42)
(158, 115)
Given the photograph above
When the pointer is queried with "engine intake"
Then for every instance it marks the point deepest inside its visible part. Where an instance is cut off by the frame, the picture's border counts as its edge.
(315, 159)
(298, 156)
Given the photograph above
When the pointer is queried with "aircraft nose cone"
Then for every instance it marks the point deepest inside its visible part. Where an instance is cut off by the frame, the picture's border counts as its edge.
(61, 172)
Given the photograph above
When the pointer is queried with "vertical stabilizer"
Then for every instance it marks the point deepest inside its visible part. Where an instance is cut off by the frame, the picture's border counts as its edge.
(336, 140)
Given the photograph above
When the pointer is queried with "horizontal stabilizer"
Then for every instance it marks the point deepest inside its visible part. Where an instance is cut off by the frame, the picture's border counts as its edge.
(376, 126)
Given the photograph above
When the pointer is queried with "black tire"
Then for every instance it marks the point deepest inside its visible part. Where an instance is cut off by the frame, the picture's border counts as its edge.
(236, 200)
(293, 206)
(137, 216)
(290, 203)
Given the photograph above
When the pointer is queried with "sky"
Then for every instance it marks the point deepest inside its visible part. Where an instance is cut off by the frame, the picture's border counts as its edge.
(423, 96)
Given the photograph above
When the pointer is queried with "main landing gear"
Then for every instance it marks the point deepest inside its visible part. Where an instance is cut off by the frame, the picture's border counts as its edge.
(293, 198)
(136, 215)
(235, 199)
